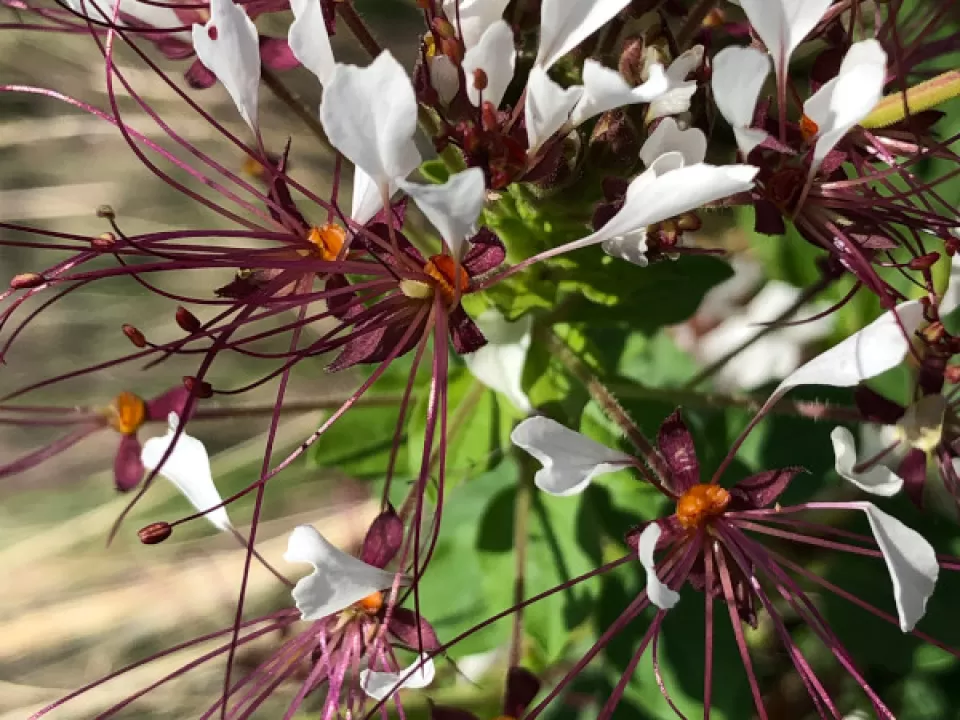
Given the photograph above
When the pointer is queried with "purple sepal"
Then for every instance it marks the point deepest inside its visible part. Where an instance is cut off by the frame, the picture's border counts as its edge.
(374, 345)
(486, 252)
(762, 489)
(398, 210)
(913, 470)
(415, 633)
(767, 218)
(383, 539)
(198, 77)
(464, 333)
(127, 466)
(875, 407)
(522, 688)
(65, 442)
(276, 53)
(676, 446)
(172, 401)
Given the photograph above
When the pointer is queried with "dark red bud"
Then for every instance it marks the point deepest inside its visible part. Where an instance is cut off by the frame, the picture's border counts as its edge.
(479, 79)
(187, 320)
(924, 262)
(155, 533)
(24, 281)
(198, 388)
(633, 60)
(134, 336)
(105, 211)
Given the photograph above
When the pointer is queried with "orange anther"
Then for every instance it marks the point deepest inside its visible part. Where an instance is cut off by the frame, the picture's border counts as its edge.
(328, 240)
(700, 503)
(372, 603)
(449, 276)
(808, 128)
(127, 413)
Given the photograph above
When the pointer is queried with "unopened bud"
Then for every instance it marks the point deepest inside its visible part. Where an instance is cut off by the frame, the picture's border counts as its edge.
(198, 388)
(155, 533)
(134, 336)
(480, 79)
(104, 241)
(105, 211)
(24, 281)
(633, 60)
(952, 374)
(614, 143)
(924, 262)
(187, 320)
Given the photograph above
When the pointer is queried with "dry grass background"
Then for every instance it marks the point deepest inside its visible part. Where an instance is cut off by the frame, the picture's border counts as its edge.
(72, 609)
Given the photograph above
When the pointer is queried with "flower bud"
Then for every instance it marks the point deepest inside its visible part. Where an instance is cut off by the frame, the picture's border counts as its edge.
(104, 241)
(633, 61)
(155, 533)
(614, 145)
(198, 388)
(106, 212)
(480, 79)
(187, 320)
(23, 281)
(924, 262)
(134, 336)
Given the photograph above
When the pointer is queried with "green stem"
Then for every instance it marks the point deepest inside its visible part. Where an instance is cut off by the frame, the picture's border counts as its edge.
(925, 96)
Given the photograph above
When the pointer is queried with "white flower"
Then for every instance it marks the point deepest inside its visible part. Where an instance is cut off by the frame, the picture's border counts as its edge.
(338, 579)
(550, 108)
(676, 98)
(878, 347)
(675, 182)
(499, 364)
(370, 116)
(187, 467)
(911, 562)
(309, 41)
(848, 98)
(876, 480)
(381, 685)
(660, 595)
(782, 25)
(229, 47)
(496, 56)
(738, 76)
(570, 460)
(776, 354)
(564, 24)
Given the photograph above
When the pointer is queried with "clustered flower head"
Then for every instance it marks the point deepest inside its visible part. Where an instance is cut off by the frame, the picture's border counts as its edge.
(546, 195)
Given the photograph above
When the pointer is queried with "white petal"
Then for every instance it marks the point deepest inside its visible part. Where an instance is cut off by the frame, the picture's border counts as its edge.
(445, 77)
(865, 354)
(570, 460)
(229, 47)
(652, 198)
(367, 200)
(659, 594)
(848, 98)
(547, 107)
(187, 467)
(381, 685)
(877, 480)
(783, 24)
(911, 561)
(676, 99)
(338, 581)
(738, 76)
(564, 24)
(475, 17)
(499, 364)
(605, 89)
(496, 56)
(631, 247)
(452, 207)
(370, 115)
(309, 41)
(668, 137)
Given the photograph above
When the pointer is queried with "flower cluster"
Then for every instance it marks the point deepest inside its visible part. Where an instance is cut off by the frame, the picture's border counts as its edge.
(535, 256)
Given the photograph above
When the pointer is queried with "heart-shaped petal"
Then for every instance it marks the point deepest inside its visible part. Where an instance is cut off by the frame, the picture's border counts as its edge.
(660, 595)
(496, 56)
(738, 77)
(453, 207)
(309, 40)
(381, 685)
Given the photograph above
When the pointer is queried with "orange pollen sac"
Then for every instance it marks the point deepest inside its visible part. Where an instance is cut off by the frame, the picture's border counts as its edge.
(701, 503)
(808, 128)
(127, 413)
(372, 603)
(328, 241)
(449, 276)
